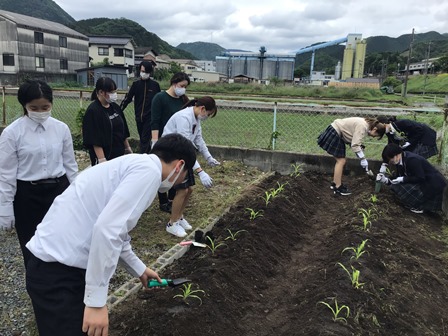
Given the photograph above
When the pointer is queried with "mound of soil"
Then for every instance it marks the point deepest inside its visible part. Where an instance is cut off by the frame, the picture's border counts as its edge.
(272, 279)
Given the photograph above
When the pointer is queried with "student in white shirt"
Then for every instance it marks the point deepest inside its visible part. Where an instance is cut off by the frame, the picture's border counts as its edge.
(188, 123)
(85, 234)
(37, 163)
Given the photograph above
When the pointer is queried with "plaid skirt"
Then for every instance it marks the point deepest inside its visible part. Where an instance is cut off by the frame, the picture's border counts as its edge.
(425, 150)
(411, 196)
(330, 141)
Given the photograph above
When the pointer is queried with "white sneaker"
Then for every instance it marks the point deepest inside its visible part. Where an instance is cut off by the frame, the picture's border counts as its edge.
(176, 229)
(185, 225)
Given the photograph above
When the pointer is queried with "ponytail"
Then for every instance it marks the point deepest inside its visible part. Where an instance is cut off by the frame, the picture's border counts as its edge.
(206, 101)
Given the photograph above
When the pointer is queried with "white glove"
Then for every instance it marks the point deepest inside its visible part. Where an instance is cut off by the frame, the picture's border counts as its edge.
(360, 154)
(397, 180)
(128, 150)
(406, 145)
(7, 223)
(212, 161)
(102, 160)
(381, 178)
(153, 142)
(364, 164)
(383, 168)
(206, 180)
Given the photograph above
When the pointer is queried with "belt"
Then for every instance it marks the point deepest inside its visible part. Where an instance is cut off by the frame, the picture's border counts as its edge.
(46, 181)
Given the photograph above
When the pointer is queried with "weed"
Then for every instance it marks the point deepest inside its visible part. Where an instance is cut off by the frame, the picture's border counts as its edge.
(296, 170)
(354, 276)
(254, 214)
(358, 251)
(188, 293)
(232, 235)
(213, 246)
(336, 310)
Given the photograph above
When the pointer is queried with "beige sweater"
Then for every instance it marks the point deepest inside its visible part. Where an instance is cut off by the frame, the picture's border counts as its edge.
(353, 131)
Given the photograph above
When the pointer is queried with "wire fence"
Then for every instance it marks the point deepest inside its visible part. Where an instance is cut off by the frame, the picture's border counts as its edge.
(256, 125)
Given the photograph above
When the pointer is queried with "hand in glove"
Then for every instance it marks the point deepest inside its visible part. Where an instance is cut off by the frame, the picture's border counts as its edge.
(406, 145)
(7, 223)
(128, 150)
(397, 180)
(153, 142)
(383, 168)
(364, 164)
(212, 161)
(206, 180)
(381, 178)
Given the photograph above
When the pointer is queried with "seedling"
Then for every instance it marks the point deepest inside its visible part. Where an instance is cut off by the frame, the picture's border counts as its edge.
(254, 214)
(336, 310)
(354, 276)
(358, 251)
(367, 216)
(267, 197)
(213, 246)
(232, 235)
(296, 170)
(188, 293)
(373, 198)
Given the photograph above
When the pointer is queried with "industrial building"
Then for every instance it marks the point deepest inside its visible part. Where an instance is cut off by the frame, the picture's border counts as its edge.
(260, 66)
(37, 48)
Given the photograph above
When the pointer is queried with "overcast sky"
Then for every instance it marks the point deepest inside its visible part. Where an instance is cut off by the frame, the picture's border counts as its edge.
(282, 26)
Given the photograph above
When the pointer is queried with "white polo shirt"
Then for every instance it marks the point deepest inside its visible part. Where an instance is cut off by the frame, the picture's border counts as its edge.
(88, 224)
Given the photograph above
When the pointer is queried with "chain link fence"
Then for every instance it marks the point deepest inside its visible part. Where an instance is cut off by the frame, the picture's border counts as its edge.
(257, 125)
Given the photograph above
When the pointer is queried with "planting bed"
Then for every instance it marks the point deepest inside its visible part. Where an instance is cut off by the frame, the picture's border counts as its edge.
(270, 280)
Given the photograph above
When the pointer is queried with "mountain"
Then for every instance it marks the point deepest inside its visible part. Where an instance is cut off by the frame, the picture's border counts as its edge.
(202, 50)
(41, 9)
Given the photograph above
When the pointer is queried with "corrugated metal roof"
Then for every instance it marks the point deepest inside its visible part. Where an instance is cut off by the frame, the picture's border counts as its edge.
(40, 25)
(117, 40)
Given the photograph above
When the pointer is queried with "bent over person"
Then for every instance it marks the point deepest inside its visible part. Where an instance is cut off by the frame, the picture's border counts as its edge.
(78, 244)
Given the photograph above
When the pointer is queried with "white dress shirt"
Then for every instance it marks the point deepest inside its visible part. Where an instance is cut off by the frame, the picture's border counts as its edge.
(185, 123)
(88, 224)
(30, 151)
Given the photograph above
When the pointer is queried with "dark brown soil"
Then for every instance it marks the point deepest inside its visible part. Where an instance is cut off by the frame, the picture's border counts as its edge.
(271, 279)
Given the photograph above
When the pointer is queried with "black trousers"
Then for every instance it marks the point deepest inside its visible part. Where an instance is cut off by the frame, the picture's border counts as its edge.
(144, 132)
(31, 203)
(57, 295)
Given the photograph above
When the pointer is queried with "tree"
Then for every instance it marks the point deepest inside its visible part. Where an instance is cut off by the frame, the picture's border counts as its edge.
(441, 64)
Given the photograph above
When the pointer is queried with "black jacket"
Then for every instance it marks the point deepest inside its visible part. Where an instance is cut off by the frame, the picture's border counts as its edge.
(143, 91)
(414, 133)
(418, 170)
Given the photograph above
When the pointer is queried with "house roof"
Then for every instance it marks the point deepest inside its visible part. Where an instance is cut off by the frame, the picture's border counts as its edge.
(115, 40)
(29, 22)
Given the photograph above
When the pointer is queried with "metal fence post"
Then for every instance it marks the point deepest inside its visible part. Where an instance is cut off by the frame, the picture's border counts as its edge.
(3, 107)
(80, 99)
(274, 127)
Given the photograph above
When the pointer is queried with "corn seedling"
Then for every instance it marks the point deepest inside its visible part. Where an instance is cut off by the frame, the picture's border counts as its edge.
(188, 293)
(232, 235)
(358, 251)
(373, 198)
(254, 214)
(213, 246)
(337, 311)
(367, 217)
(354, 276)
(296, 170)
(267, 197)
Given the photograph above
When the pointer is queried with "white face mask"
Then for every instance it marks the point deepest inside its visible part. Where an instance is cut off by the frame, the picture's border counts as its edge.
(202, 117)
(179, 91)
(112, 97)
(166, 184)
(144, 75)
(39, 117)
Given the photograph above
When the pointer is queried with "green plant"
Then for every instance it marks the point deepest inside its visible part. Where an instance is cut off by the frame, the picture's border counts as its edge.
(188, 293)
(254, 214)
(367, 216)
(296, 170)
(213, 246)
(336, 310)
(358, 251)
(354, 276)
(274, 135)
(373, 198)
(267, 197)
(232, 235)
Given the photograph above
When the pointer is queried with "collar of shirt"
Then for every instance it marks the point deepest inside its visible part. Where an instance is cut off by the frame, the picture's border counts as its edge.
(32, 125)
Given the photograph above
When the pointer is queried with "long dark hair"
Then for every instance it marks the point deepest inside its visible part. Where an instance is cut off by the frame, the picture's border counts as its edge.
(207, 101)
(386, 120)
(33, 89)
(103, 83)
(180, 77)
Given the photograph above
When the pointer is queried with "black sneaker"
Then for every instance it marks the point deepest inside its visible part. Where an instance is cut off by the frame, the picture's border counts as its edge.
(416, 210)
(333, 186)
(342, 190)
(166, 207)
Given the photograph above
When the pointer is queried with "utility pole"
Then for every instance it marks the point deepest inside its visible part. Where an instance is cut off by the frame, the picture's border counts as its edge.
(426, 66)
(405, 84)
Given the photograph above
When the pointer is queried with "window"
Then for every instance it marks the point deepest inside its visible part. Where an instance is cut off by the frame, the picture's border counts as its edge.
(62, 41)
(63, 63)
(39, 37)
(128, 53)
(8, 59)
(103, 51)
(118, 52)
(40, 62)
